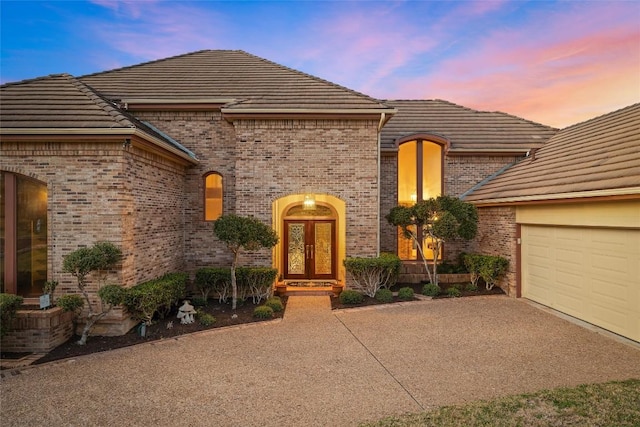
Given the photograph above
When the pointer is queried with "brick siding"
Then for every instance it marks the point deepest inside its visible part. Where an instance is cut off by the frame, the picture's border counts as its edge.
(101, 191)
(497, 236)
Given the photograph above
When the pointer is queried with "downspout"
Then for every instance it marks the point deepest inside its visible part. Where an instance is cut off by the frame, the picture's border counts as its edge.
(380, 124)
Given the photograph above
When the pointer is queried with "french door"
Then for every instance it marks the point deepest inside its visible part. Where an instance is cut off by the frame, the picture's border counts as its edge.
(309, 249)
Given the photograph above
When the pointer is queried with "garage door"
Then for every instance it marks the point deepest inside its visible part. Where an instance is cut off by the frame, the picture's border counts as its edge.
(589, 273)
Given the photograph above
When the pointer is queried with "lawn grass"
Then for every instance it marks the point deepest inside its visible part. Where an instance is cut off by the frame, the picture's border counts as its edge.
(610, 404)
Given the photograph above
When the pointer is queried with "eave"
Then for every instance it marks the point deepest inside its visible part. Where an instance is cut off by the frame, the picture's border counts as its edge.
(81, 134)
(578, 196)
(142, 104)
(232, 114)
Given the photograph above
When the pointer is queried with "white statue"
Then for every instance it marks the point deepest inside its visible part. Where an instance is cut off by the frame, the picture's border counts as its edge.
(186, 313)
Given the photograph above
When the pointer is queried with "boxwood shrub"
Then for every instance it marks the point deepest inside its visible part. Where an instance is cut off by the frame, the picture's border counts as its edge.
(405, 294)
(384, 295)
(275, 303)
(431, 290)
(9, 304)
(351, 296)
(263, 312)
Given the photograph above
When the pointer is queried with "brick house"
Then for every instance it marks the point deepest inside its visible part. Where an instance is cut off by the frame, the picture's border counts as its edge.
(148, 156)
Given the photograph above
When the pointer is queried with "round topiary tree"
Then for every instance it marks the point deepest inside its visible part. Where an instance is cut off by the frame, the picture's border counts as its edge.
(239, 233)
(441, 219)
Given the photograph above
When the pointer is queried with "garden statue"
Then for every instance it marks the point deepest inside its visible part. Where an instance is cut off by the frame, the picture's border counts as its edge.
(186, 313)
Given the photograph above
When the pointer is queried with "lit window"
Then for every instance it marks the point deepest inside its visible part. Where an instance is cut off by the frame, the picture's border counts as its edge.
(23, 235)
(212, 196)
(419, 178)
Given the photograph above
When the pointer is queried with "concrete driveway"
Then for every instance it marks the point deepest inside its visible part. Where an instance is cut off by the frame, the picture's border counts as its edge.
(322, 368)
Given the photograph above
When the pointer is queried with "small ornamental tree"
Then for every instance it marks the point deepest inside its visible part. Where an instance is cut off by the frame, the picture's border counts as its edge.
(441, 219)
(240, 233)
(84, 261)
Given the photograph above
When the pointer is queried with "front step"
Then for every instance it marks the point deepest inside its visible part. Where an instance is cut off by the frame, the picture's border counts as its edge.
(310, 291)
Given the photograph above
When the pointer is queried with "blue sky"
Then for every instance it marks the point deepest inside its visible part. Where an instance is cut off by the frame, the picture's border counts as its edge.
(557, 63)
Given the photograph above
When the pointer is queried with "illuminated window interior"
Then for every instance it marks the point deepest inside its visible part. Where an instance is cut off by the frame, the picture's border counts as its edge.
(419, 178)
(23, 235)
(212, 197)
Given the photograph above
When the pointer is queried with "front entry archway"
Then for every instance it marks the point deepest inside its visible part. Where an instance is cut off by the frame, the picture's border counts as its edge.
(312, 239)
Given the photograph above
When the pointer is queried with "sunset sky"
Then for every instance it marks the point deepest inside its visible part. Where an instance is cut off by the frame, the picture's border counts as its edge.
(556, 63)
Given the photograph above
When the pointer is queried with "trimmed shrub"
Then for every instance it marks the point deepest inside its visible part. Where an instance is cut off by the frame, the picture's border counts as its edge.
(256, 282)
(198, 301)
(449, 268)
(384, 295)
(205, 319)
(431, 290)
(371, 274)
(143, 301)
(9, 304)
(405, 294)
(275, 303)
(263, 312)
(489, 268)
(215, 280)
(453, 292)
(470, 287)
(350, 296)
(71, 302)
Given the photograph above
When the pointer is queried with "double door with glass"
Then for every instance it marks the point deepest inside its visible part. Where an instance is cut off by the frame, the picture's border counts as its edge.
(309, 249)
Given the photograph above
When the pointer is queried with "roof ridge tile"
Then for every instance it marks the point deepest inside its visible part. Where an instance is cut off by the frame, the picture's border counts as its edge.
(107, 106)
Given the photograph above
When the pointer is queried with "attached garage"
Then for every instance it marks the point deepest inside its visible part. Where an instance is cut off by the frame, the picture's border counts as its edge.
(584, 260)
(567, 216)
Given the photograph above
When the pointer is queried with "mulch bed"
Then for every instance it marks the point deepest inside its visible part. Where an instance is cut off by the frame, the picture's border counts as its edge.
(417, 290)
(159, 330)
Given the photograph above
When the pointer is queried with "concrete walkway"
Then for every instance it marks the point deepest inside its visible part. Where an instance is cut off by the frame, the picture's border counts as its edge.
(322, 368)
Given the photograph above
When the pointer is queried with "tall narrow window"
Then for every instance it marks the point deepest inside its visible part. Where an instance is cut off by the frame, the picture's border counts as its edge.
(23, 233)
(212, 196)
(419, 178)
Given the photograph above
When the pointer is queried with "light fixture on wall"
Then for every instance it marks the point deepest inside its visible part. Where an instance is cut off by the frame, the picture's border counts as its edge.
(309, 203)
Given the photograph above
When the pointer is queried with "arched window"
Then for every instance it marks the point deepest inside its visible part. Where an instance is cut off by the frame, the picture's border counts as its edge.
(23, 233)
(419, 178)
(212, 196)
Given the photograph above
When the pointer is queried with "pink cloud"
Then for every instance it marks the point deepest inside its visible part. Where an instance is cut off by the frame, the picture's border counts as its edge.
(151, 30)
(571, 72)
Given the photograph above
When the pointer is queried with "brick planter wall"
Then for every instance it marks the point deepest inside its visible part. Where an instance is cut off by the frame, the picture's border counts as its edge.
(38, 331)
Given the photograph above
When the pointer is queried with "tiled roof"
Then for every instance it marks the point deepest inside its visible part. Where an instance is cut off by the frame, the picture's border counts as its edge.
(244, 81)
(57, 101)
(466, 129)
(61, 104)
(599, 156)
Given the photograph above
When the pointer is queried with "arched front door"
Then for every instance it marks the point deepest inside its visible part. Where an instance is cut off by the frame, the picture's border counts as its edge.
(310, 249)
(309, 245)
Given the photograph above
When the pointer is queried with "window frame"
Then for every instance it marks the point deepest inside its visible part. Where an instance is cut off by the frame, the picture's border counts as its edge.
(420, 140)
(205, 198)
(10, 206)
